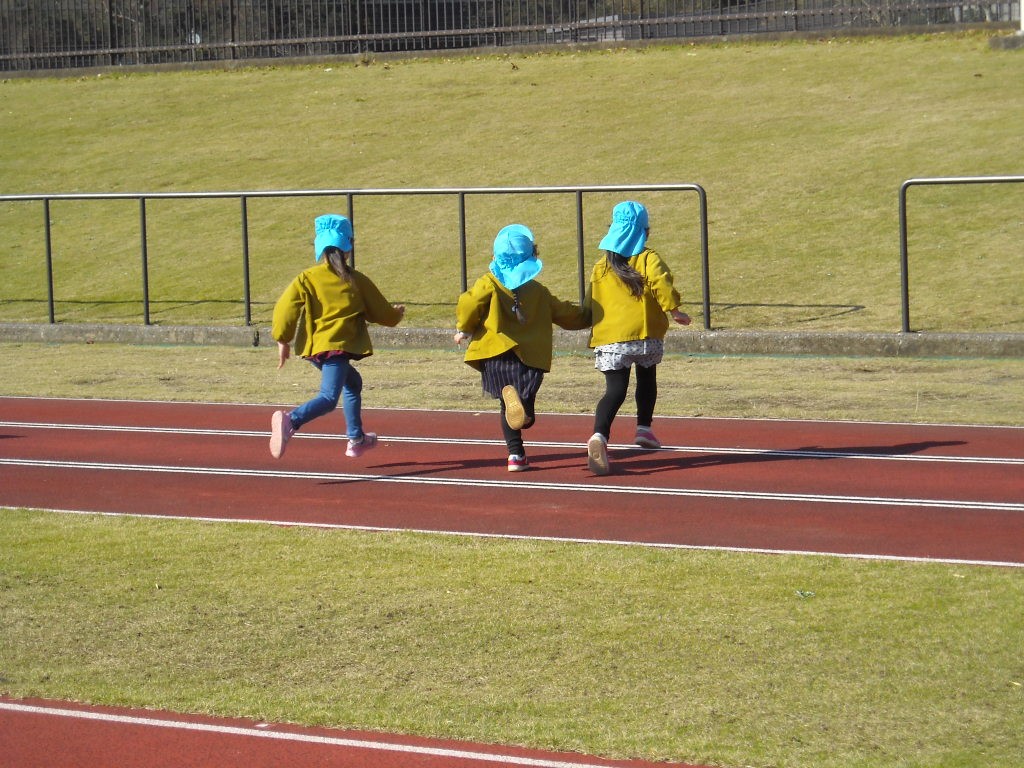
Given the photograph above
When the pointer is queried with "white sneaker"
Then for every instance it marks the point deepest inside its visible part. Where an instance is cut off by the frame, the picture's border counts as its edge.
(597, 454)
(517, 463)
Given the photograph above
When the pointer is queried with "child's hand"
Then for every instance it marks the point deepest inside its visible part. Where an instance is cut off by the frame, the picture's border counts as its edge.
(460, 336)
(680, 317)
(400, 308)
(283, 353)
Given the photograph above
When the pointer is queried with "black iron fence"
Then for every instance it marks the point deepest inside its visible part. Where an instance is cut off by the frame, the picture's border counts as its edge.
(58, 34)
(350, 196)
(904, 259)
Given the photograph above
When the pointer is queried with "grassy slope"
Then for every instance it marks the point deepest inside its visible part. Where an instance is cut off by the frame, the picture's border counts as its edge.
(802, 147)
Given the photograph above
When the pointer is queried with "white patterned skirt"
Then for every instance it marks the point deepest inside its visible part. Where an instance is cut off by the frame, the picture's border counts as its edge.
(623, 354)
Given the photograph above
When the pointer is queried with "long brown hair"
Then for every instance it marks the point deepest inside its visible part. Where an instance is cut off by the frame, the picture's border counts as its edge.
(619, 264)
(338, 263)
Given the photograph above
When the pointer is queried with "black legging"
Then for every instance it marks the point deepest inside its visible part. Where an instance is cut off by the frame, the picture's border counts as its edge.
(514, 437)
(616, 383)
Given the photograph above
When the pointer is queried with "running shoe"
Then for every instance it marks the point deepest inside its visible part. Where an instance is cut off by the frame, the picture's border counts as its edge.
(597, 454)
(357, 448)
(517, 463)
(645, 438)
(515, 414)
(281, 431)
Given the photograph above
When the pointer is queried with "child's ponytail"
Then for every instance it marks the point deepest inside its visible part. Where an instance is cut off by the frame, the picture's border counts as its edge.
(338, 263)
(634, 281)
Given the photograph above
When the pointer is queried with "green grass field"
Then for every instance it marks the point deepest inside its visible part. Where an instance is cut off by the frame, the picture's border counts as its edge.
(718, 658)
(726, 659)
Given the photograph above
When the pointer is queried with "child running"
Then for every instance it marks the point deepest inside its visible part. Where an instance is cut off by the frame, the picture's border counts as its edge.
(508, 315)
(334, 302)
(630, 291)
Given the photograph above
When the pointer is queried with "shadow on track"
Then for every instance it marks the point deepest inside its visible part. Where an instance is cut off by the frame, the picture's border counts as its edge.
(626, 464)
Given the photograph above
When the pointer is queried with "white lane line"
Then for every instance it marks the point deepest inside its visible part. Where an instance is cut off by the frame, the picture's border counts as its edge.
(531, 537)
(520, 484)
(775, 453)
(152, 722)
(264, 409)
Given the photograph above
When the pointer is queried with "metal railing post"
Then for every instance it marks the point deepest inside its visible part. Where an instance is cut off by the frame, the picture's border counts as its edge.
(145, 261)
(351, 211)
(463, 258)
(904, 262)
(705, 259)
(246, 290)
(581, 265)
(49, 260)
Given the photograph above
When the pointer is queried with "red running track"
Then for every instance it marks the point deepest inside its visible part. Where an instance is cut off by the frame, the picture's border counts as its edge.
(945, 493)
(45, 734)
(856, 489)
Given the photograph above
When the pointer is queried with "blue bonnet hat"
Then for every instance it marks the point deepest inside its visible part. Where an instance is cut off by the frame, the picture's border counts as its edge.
(515, 260)
(332, 229)
(627, 234)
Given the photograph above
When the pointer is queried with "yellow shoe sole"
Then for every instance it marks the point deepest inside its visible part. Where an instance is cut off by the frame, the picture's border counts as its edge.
(515, 414)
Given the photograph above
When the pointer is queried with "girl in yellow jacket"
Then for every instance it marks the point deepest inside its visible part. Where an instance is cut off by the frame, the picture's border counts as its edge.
(630, 293)
(325, 311)
(508, 315)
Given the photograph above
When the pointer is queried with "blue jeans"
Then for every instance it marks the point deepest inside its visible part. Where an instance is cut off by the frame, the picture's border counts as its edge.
(338, 380)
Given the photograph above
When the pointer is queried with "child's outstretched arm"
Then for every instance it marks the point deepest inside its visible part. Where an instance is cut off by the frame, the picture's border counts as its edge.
(284, 351)
(287, 311)
(471, 309)
(660, 282)
(377, 308)
(680, 317)
(569, 315)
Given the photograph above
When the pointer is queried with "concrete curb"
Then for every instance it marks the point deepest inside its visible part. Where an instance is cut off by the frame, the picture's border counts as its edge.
(1007, 42)
(841, 344)
(90, 333)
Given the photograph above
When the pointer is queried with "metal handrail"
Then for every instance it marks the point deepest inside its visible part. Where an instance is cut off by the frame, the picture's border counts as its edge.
(904, 260)
(350, 195)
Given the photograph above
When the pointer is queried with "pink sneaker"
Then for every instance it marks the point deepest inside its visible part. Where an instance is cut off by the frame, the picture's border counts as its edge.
(281, 431)
(517, 463)
(357, 448)
(645, 438)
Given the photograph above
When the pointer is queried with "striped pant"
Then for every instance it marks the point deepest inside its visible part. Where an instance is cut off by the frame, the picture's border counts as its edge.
(502, 371)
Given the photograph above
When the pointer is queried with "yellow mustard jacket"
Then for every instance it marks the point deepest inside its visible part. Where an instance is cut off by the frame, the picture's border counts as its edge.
(485, 312)
(323, 313)
(617, 315)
